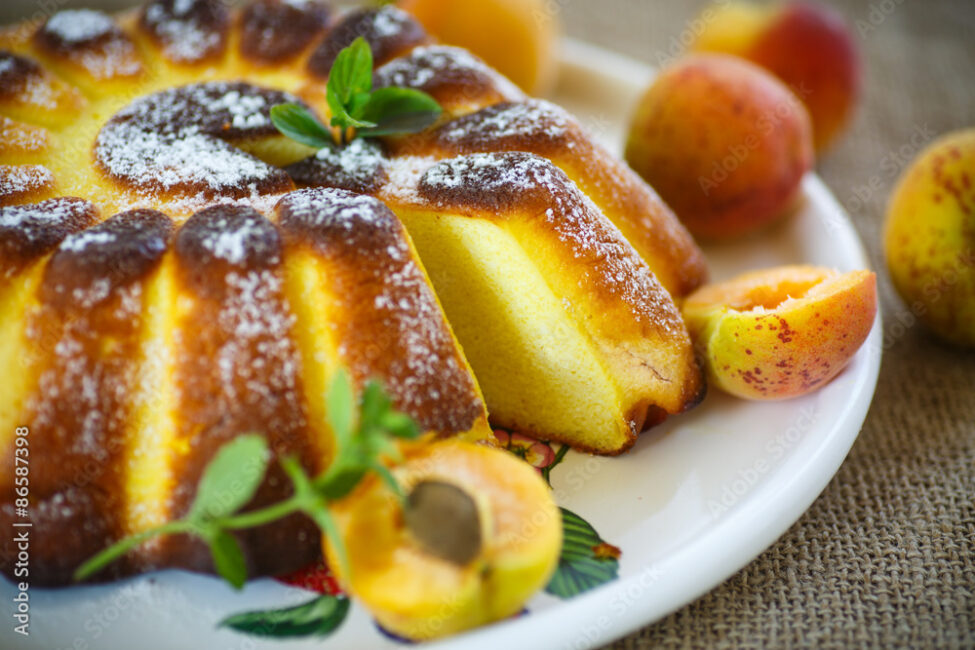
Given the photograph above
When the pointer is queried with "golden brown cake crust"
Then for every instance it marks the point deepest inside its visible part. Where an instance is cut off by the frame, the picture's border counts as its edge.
(454, 77)
(179, 142)
(16, 72)
(525, 186)
(80, 410)
(238, 374)
(28, 232)
(358, 167)
(91, 42)
(275, 31)
(388, 322)
(389, 31)
(193, 31)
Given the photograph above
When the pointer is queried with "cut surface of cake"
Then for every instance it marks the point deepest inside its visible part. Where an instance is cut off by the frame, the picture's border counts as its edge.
(175, 272)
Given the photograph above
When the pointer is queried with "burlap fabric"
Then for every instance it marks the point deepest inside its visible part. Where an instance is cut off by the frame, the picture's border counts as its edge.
(886, 556)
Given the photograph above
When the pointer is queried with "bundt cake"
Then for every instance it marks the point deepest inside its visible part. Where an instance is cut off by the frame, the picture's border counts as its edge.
(175, 272)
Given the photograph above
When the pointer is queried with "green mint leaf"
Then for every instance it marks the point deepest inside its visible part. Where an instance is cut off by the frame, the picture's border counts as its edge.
(227, 557)
(399, 110)
(301, 125)
(319, 617)
(400, 425)
(341, 116)
(341, 479)
(580, 568)
(374, 406)
(351, 73)
(349, 85)
(231, 478)
(340, 408)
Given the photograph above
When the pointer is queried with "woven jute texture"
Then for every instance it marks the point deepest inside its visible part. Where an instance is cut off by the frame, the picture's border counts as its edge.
(886, 556)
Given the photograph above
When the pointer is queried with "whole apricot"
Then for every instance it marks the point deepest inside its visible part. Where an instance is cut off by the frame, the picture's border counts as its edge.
(807, 45)
(723, 142)
(519, 38)
(782, 332)
(929, 239)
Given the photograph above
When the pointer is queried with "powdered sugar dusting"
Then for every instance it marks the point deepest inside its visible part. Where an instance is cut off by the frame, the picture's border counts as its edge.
(79, 242)
(79, 25)
(233, 244)
(389, 21)
(18, 180)
(358, 167)
(173, 141)
(19, 137)
(532, 119)
(336, 209)
(430, 65)
(255, 319)
(247, 111)
(45, 215)
(189, 30)
(26, 81)
(404, 174)
(91, 40)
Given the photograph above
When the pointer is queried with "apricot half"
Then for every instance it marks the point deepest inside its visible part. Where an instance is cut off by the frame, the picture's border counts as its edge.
(476, 535)
(782, 332)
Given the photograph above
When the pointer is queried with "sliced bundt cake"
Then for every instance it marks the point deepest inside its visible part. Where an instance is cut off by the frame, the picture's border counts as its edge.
(175, 272)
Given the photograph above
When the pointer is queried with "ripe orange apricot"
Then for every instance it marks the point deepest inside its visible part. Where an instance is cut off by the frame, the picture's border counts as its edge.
(723, 142)
(807, 45)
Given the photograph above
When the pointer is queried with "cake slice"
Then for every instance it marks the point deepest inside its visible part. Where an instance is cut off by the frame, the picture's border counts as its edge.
(569, 333)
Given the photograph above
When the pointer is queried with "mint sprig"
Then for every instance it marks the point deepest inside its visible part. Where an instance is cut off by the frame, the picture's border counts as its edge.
(357, 110)
(365, 433)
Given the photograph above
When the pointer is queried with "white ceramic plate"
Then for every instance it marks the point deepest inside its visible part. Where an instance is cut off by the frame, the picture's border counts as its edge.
(694, 501)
